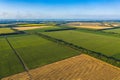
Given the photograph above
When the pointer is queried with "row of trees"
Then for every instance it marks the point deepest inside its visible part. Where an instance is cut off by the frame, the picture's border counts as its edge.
(60, 29)
(100, 32)
(110, 28)
(13, 33)
(98, 55)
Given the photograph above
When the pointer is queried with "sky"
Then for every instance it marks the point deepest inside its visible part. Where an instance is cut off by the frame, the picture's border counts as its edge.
(59, 9)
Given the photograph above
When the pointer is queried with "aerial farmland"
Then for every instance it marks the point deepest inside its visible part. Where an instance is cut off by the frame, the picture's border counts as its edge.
(59, 39)
(52, 47)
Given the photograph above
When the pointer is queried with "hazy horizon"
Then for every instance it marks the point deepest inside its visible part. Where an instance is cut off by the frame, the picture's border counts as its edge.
(63, 9)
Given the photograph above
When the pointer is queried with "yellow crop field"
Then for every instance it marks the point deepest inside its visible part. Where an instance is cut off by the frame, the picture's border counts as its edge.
(29, 28)
(5, 30)
(89, 25)
(36, 25)
(82, 67)
(93, 27)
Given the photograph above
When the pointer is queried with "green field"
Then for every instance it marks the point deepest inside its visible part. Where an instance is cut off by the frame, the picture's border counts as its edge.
(34, 50)
(37, 51)
(113, 30)
(9, 63)
(36, 25)
(107, 45)
(5, 30)
(30, 25)
(43, 29)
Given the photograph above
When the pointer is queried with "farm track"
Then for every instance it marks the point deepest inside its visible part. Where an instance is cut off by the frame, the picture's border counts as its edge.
(20, 58)
(82, 67)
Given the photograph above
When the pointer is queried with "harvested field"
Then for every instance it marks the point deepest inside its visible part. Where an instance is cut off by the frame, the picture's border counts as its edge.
(114, 24)
(36, 24)
(21, 76)
(29, 28)
(34, 50)
(3, 25)
(84, 23)
(89, 25)
(82, 67)
(93, 27)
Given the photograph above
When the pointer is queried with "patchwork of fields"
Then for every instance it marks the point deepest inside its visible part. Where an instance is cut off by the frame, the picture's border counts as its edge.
(34, 50)
(93, 27)
(30, 25)
(36, 24)
(90, 25)
(29, 28)
(113, 30)
(9, 63)
(43, 29)
(81, 67)
(107, 45)
(37, 51)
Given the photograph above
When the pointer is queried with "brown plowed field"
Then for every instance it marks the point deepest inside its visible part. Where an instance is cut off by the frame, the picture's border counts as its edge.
(81, 67)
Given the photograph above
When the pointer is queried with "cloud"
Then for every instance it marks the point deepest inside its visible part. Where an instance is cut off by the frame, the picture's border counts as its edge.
(80, 10)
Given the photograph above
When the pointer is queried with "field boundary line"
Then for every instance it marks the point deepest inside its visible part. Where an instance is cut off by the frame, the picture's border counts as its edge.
(20, 58)
(63, 29)
(101, 56)
(99, 32)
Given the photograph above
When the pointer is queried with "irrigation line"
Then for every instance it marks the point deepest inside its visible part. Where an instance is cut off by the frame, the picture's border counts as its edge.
(20, 58)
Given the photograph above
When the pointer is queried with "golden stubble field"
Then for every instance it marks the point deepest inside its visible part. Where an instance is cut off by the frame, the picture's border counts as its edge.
(93, 27)
(82, 67)
(89, 25)
(29, 28)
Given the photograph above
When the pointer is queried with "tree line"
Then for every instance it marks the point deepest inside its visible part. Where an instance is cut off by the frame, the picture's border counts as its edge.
(98, 55)
(60, 29)
(101, 32)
